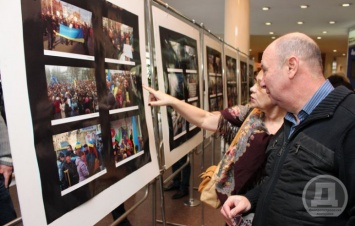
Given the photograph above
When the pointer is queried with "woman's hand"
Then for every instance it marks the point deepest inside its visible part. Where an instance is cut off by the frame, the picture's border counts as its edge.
(158, 98)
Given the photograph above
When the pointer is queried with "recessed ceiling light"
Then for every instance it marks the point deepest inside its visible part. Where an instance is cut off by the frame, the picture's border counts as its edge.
(344, 54)
(299, 22)
(331, 22)
(324, 32)
(303, 6)
(346, 4)
(271, 33)
(334, 50)
(268, 23)
(319, 37)
(273, 37)
(265, 8)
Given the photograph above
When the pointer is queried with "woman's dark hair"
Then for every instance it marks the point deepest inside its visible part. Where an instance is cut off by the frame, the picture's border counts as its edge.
(337, 80)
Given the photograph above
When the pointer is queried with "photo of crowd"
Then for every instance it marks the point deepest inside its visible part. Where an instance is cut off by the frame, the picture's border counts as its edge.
(79, 155)
(66, 28)
(118, 40)
(71, 91)
(126, 135)
(120, 86)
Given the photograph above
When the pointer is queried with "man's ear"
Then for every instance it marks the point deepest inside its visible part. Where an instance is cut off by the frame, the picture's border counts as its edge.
(292, 66)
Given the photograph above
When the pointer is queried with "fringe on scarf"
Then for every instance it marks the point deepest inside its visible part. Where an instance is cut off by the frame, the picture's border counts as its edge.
(226, 130)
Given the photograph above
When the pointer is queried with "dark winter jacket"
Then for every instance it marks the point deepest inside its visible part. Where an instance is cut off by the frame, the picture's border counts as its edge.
(323, 144)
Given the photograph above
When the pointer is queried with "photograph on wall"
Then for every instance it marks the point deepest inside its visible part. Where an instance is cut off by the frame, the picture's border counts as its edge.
(72, 91)
(127, 139)
(66, 29)
(79, 157)
(231, 75)
(251, 75)
(118, 40)
(179, 56)
(120, 86)
(214, 71)
(74, 97)
(244, 82)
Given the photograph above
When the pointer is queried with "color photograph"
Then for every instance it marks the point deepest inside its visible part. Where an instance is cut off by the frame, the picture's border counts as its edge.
(127, 140)
(120, 86)
(71, 90)
(118, 40)
(66, 28)
(79, 156)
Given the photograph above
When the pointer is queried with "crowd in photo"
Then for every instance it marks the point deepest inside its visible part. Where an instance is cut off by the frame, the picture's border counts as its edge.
(119, 85)
(73, 99)
(56, 23)
(126, 138)
(118, 40)
(75, 165)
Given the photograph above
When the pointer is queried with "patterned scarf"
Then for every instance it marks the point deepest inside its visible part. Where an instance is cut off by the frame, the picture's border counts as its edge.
(252, 124)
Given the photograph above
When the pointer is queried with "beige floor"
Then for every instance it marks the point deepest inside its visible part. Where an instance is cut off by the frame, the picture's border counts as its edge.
(176, 212)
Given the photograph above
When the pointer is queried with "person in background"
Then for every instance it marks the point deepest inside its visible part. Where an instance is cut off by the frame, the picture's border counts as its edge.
(181, 181)
(81, 166)
(316, 141)
(71, 176)
(119, 211)
(337, 80)
(60, 162)
(7, 211)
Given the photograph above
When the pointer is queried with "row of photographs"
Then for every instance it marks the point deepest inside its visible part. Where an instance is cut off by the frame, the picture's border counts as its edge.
(89, 99)
(68, 31)
(88, 96)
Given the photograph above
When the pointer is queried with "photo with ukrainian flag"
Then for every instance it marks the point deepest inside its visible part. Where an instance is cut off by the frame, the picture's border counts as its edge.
(122, 87)
(80, 156)
(127, 140)
(66, 28)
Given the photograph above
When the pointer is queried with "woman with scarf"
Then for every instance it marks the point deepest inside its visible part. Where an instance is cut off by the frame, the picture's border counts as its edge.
(242, 165)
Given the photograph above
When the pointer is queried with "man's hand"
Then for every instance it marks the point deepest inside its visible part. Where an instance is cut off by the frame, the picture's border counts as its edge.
(7, 172)
(234, 205)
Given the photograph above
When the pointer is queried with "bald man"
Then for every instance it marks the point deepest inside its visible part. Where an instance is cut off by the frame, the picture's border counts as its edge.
(310, 171)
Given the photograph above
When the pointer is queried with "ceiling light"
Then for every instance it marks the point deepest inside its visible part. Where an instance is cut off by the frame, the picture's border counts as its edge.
(303, 6)
(299, 22)
(319, 37)
(344, 54)
(324, 32)
(331, 22)
(273, 37)
(265, 8)
(268, 23)
(334, 50)
(346, 4)
(271, 33)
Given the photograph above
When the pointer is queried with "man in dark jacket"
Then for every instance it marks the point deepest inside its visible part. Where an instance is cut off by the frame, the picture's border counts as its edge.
(310, 171)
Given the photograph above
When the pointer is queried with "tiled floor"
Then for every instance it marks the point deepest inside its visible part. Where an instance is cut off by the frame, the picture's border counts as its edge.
(176, 212)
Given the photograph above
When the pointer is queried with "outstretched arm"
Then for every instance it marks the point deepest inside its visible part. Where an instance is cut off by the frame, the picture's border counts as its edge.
(197, 116)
